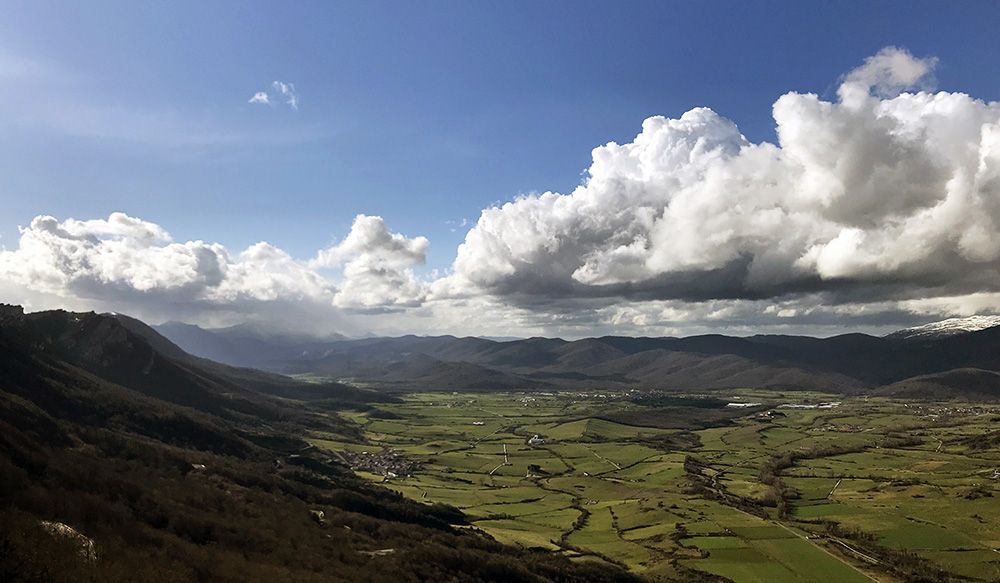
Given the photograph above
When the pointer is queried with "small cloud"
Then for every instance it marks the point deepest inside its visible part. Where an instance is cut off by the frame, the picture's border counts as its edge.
(455, 225)
(888, 73)
(279, 92)
(45, 96)
(287, 90)
(260, 97)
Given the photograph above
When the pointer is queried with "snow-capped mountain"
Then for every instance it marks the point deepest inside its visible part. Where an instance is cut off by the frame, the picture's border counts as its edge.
(949, 327)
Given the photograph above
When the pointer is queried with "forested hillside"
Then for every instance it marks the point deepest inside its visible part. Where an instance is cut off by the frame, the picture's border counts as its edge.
(124, 459)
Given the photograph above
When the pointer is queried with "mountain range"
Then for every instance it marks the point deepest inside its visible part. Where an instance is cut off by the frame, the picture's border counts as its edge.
(846, 363)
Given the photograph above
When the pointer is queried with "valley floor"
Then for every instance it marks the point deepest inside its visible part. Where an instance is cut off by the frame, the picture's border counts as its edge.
(786, 487)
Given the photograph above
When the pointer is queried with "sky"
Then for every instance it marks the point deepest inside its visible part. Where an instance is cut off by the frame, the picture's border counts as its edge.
(503, 169)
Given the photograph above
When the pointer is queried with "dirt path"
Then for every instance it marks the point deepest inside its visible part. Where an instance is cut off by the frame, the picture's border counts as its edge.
(601, 457)
(506, 461)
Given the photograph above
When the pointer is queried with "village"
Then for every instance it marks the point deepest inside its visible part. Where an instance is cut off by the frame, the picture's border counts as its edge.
(387, 463)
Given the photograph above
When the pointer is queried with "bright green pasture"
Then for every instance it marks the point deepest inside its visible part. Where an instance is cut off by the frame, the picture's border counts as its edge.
(603, 490)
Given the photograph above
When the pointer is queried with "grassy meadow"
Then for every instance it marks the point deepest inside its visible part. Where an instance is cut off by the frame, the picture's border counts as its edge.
(790, 487)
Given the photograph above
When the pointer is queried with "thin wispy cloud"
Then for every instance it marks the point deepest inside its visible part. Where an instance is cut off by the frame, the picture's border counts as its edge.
(279, 92)
(43, 96)
(455, 225)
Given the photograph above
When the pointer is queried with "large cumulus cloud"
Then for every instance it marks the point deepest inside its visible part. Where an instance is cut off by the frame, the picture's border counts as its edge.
(378, 266)
(879, 194)
(131, 264)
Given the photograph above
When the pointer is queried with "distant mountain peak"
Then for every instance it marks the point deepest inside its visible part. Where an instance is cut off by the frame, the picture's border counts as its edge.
(949, 327)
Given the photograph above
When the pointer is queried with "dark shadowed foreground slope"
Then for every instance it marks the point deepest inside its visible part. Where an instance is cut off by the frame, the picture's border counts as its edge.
(169, 468)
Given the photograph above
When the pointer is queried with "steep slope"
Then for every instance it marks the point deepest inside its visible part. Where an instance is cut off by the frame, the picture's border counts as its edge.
(683, 370)
(250, 378)
(102, 359)
(421, 371)
(583, 354)
(205, 343)
(106, 348)
(868, 359)
(963, 383)
(127, 352)
(979, 349)
(40, 391)
(418, 371)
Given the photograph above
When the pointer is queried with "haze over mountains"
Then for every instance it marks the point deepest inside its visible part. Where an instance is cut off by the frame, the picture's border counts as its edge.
(242, 345)
(846, 363)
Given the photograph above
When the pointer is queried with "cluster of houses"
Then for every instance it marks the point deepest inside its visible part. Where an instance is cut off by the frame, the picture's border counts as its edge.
(939, 410)
(387, 463)
(842, 428)
(770, 415)
(823, 405)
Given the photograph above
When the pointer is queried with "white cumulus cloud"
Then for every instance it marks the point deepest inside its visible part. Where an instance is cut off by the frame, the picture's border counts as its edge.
(882, 193)
(127, 263)
(378, 266)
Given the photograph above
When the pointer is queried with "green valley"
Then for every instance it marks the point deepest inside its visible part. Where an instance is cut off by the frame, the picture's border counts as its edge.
(742, 485)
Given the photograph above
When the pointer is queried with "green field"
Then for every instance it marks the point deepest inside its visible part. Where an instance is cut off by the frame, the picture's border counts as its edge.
(680, 489)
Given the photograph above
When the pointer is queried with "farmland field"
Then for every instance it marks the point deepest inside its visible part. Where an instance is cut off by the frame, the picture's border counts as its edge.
(750, 486)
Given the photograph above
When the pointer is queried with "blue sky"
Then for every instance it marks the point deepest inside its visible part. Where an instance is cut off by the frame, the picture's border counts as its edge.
(420, 113)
